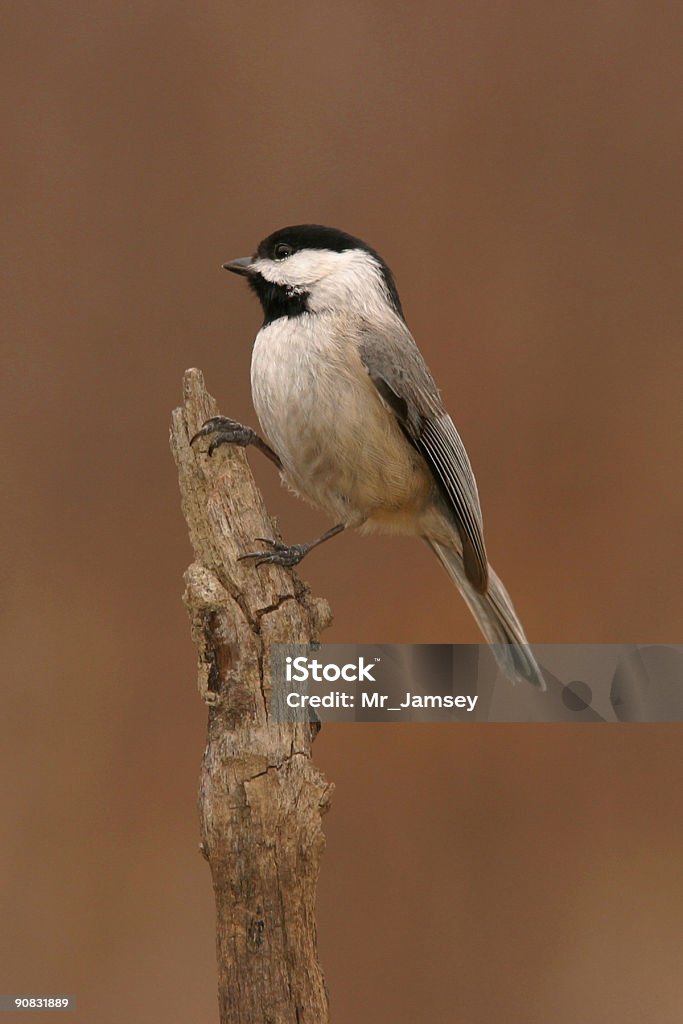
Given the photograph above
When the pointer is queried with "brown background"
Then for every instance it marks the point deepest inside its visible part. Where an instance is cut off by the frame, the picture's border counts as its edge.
(519, 166)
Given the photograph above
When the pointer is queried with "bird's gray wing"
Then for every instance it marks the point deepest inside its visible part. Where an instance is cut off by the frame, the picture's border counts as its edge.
(402, 378)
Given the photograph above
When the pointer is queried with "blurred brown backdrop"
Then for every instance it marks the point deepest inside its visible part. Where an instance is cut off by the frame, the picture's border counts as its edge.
(519, 166)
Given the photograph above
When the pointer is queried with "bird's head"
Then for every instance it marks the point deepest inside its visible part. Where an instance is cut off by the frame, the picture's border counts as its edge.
(313, 269)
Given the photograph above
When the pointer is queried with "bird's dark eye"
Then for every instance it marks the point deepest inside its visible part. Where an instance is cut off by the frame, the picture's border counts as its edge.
(283, 250)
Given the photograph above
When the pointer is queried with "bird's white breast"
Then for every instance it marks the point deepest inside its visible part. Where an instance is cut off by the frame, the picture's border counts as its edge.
(339, 446)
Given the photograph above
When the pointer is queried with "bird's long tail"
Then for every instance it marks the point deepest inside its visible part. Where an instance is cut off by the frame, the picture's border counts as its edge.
(495, 617)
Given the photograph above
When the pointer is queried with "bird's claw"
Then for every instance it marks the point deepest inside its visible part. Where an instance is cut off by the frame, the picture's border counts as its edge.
(286, 555)
(226, 431)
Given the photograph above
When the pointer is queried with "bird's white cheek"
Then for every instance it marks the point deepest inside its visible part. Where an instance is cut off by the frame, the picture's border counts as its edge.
(301, 271)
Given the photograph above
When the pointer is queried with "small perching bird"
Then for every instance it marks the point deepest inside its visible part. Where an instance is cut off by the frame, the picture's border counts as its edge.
(354, 419)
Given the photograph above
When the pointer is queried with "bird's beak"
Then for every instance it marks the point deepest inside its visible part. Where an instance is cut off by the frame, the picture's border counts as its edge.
(239, 266)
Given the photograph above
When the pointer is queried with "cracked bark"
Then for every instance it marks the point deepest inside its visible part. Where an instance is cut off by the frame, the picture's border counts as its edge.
(260, 797)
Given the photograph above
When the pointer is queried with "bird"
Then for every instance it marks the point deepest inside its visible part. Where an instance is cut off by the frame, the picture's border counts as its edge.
(355, 422)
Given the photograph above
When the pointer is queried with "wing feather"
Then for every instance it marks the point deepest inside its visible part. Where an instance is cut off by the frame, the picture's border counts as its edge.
(401, 376)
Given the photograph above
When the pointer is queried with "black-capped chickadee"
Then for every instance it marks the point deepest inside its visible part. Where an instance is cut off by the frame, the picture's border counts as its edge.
(355, 421)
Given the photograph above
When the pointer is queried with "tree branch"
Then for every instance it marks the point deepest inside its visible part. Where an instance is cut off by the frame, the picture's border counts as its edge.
(260, 797)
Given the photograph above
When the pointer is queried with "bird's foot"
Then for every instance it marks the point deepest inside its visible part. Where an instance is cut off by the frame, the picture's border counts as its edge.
(286, 555)
(226, 431)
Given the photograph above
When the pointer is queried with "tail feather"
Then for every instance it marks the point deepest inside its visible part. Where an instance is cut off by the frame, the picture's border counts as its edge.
(495, 617)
